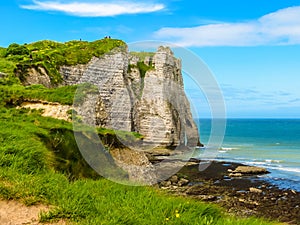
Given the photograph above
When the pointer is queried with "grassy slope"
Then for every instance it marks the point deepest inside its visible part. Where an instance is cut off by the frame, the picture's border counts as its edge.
(40, 163)
(40, 166)
(12, 95)
(29, 174)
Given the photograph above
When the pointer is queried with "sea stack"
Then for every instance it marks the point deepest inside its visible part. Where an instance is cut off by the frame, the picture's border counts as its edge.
(141, 94)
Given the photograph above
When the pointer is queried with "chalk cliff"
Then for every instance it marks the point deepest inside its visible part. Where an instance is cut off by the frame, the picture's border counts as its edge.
(150, 101)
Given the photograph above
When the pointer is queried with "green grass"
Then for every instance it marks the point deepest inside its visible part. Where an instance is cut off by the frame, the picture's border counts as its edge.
(38, 156)
(7, 66)
(141, 66)
(138, 87)
(142, 55)
(12, 95)
(50, 55)
(15, 94)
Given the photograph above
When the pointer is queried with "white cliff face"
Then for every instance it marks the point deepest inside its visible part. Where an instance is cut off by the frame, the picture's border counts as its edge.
(110, 107)
(154, 105)
(163, 114)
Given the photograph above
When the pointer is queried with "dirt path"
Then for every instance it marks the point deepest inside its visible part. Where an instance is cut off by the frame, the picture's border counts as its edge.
(15, 213)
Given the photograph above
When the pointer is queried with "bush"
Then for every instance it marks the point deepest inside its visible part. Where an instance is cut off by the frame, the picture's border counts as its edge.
(16, 49)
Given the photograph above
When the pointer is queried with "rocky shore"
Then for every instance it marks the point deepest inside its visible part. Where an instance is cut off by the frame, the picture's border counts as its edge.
(241, 190)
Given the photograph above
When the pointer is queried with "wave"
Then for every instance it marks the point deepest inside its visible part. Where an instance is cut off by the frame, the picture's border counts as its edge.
(222, 151)
(276, 165)
(288, 169)
(273, 161)
(227, 149)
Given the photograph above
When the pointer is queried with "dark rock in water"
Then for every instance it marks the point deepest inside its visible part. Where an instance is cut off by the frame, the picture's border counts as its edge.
(247, 170)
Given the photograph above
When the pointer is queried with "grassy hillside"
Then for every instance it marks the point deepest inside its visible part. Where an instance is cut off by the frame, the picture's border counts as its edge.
(40, 161)
(39, 165)
(50, 55)
(13, 95)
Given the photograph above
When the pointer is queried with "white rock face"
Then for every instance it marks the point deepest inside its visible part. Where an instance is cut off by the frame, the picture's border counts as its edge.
(72, 74)
(163, 114)
(154, 105)
(111, 107)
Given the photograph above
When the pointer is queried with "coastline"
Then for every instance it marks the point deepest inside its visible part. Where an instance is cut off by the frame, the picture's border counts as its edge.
(272, 143)
(246, 195)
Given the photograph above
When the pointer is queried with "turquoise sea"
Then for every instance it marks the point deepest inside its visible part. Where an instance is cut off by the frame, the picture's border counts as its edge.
(270, 143)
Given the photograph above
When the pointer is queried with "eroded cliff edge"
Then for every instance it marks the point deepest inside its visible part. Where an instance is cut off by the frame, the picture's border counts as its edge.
(141, 94)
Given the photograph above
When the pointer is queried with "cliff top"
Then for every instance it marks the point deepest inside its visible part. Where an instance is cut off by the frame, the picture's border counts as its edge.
(50, 55)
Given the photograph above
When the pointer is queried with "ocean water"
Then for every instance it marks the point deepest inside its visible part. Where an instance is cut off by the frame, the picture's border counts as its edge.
(270, 143)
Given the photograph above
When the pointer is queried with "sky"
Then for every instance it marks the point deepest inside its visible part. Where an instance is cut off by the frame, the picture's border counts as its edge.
(252, 48)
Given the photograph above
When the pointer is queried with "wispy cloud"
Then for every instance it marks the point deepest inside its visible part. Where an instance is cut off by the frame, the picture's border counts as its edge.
(296, 100)
(92, 9)
(255, 96)
(278, 28)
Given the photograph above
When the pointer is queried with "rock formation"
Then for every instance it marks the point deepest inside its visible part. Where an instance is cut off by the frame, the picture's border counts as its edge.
(150, 102)
(162, 113)
(35, 75)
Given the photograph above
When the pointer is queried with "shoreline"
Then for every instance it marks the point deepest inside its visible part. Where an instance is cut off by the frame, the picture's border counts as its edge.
(276, 177)
(245, 195)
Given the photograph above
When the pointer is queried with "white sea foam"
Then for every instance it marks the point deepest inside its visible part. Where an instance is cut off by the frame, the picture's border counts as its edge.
(227, 148)
(273, 161)
(256, 163)
(289, 169)
(269, 164)
(222, 151)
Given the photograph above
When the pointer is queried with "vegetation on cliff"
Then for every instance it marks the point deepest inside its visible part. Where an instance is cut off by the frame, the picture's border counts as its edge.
(141, 66)
(50, 55)
(14, 95)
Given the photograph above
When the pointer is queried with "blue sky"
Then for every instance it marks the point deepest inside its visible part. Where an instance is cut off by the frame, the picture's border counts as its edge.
(251, 47)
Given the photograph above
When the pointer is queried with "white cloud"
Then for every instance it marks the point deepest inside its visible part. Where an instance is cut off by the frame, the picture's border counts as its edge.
(102, 9)
(279, 28)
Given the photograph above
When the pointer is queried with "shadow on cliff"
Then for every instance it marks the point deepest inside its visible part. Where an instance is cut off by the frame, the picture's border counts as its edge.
(69, 160)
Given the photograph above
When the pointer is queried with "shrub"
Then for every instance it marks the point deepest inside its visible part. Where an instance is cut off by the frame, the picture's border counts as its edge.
(16, 49)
